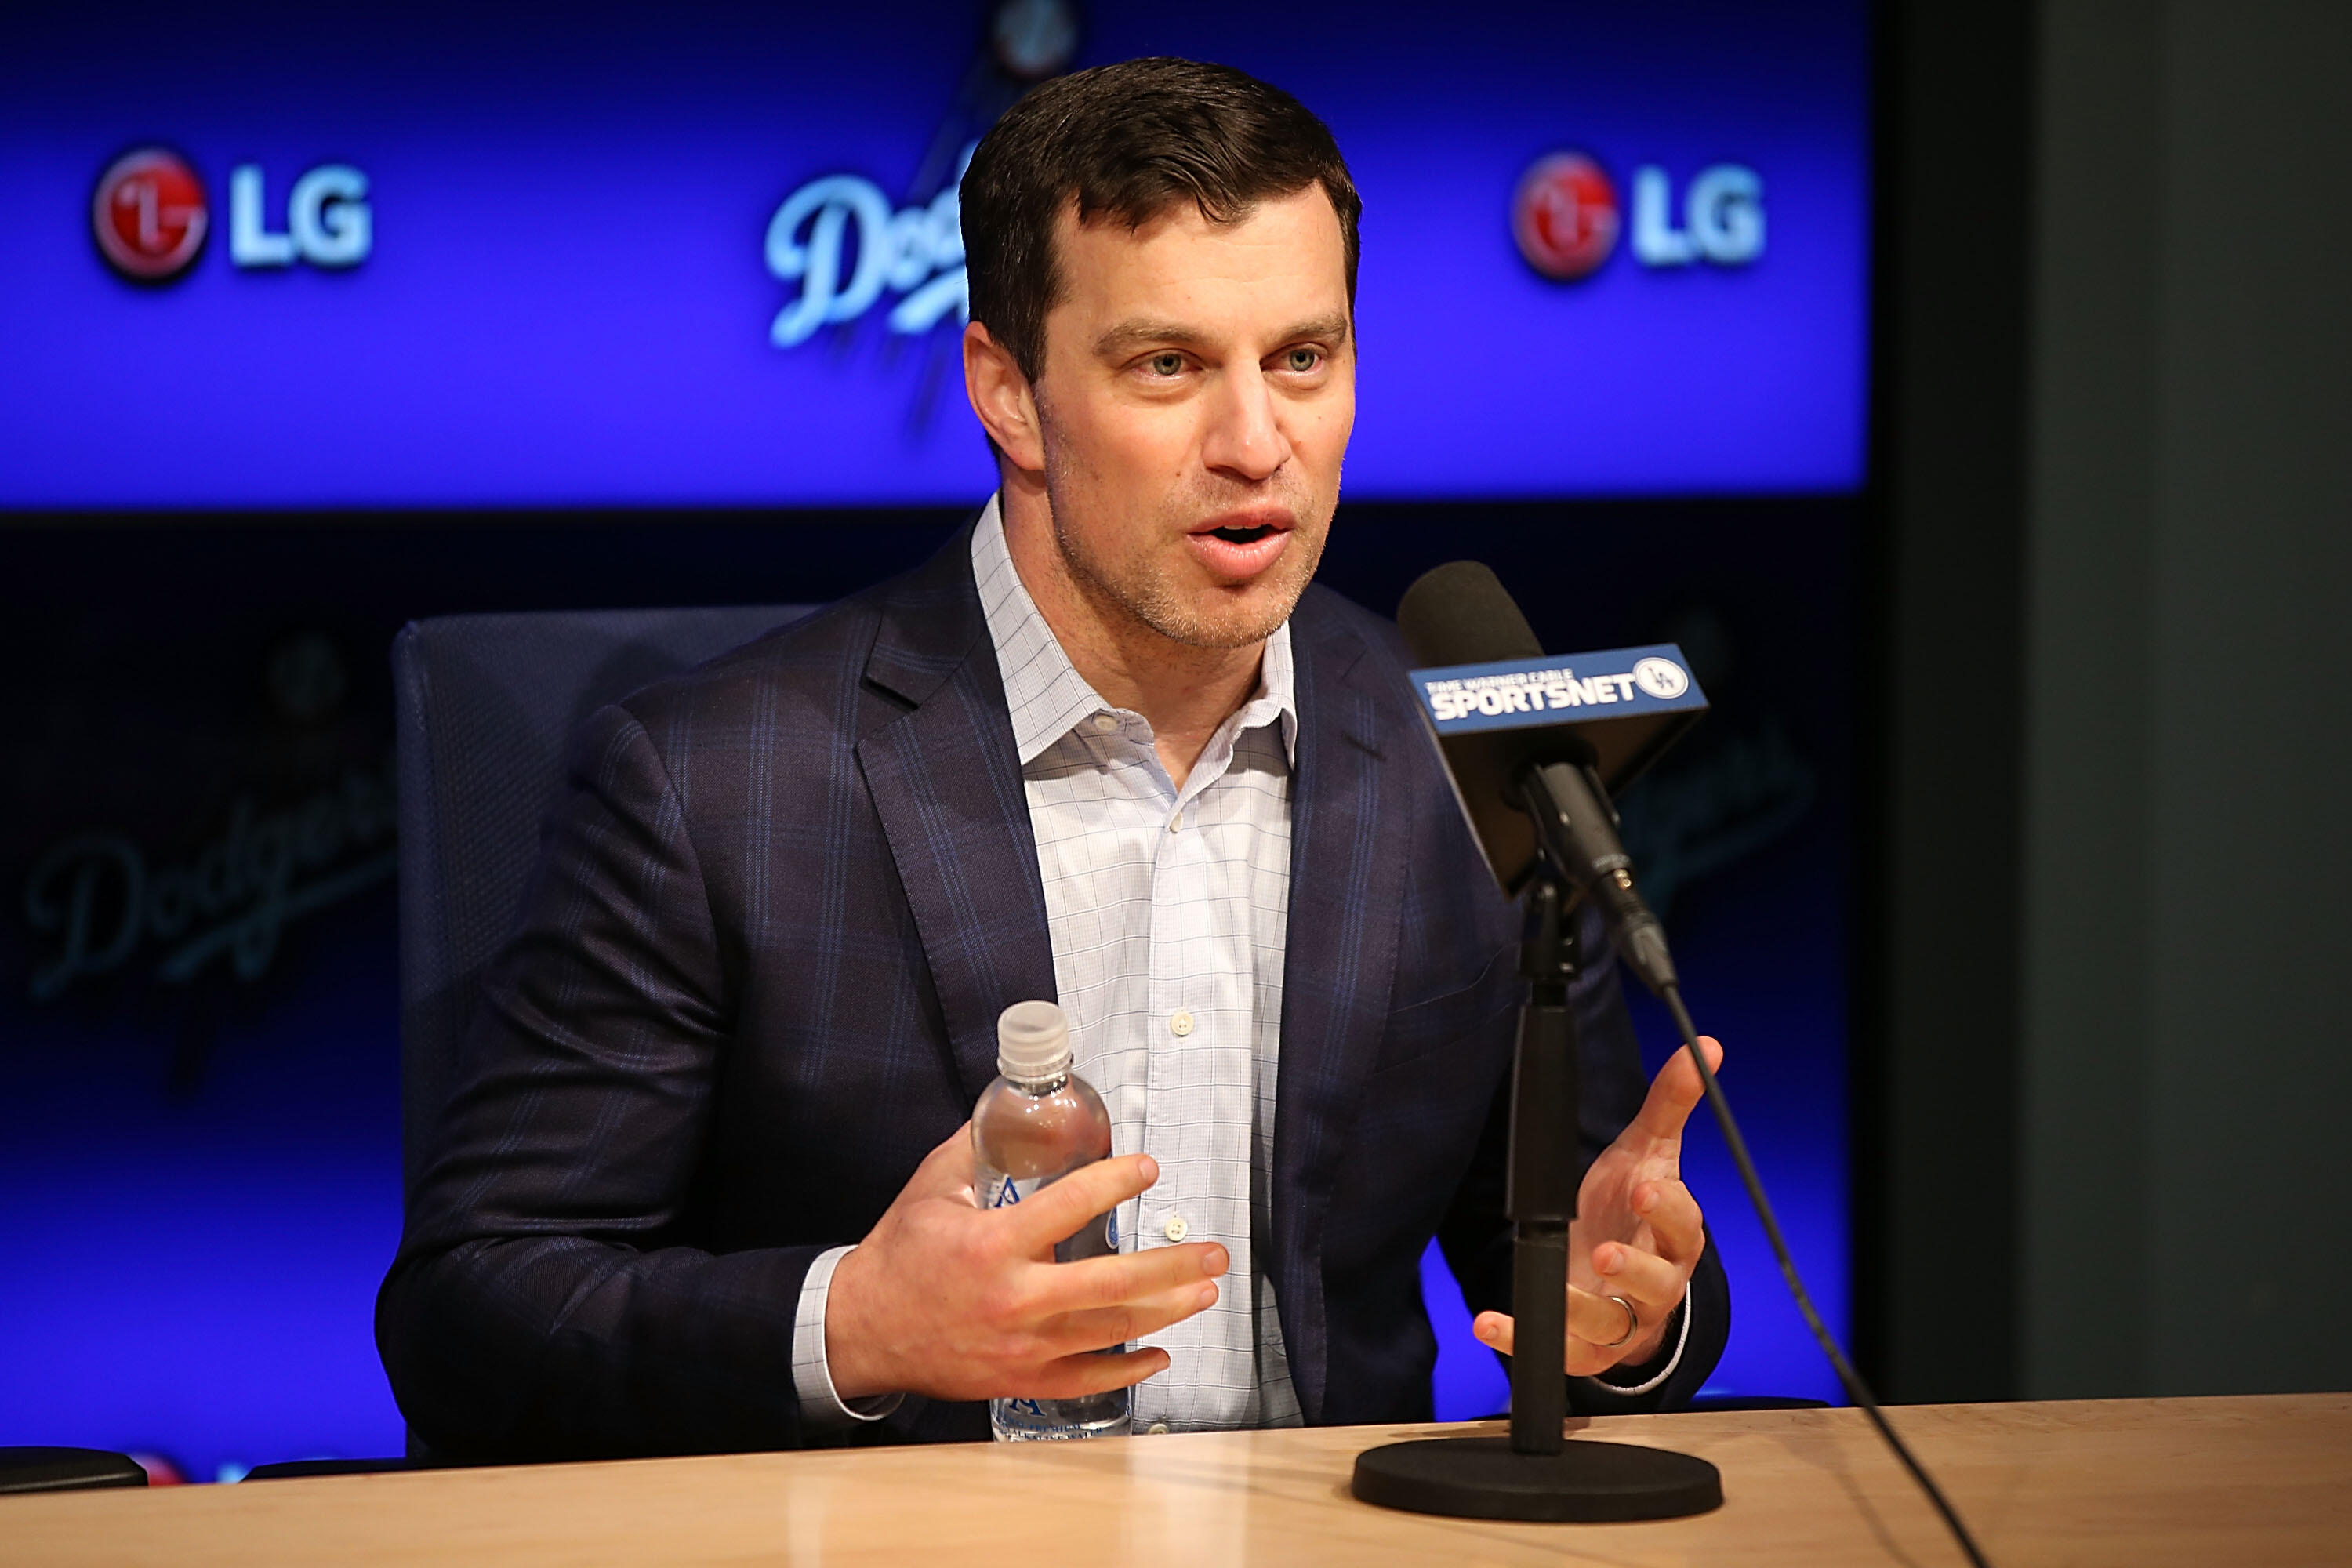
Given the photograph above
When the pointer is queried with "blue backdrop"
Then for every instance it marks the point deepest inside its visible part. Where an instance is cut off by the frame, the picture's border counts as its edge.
(569, 292)
(569, 297)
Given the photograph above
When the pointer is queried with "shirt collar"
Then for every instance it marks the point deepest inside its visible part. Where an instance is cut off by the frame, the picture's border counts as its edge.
(1047, 696)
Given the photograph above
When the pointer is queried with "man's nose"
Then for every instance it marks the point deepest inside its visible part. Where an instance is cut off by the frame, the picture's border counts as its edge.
(1244, 436)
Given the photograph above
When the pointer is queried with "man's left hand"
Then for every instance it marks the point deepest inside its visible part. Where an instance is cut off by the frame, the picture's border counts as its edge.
(1636, 1236)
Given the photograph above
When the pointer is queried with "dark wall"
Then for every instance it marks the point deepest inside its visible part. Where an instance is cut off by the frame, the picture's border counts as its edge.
(2188, 898)
(2098, 1150)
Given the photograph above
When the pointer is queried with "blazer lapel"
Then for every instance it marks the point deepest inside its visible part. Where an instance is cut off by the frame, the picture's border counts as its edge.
(946, 786)
(1347, 851)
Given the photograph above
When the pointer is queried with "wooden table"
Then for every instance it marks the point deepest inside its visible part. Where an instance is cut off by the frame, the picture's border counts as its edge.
(2240, 1482)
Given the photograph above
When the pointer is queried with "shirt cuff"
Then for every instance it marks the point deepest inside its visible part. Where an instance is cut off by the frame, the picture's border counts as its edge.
(1658, 1378)
(822, 1409)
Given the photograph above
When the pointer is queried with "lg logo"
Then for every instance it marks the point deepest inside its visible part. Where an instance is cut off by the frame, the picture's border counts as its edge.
(1565, 217)
(151, 213)
(327, 219)
(1722, 217)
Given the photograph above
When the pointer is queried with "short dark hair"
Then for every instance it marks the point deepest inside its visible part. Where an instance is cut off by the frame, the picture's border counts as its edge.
(1130, 140)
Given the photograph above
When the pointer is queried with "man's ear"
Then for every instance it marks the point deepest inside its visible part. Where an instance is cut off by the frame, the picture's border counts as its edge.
(1002, 396)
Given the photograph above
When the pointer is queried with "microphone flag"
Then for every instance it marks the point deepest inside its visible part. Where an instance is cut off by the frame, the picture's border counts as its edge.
(1615, 711)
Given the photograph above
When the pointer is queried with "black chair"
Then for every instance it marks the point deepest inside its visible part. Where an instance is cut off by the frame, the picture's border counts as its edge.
(483, 708)
(295, 1469)
(66, 1470)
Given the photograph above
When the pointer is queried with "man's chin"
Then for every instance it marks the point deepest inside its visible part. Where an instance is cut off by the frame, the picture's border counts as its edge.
(1223, 618)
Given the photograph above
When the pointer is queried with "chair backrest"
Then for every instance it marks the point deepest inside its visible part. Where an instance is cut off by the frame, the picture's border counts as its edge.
(67, 1470)
(484, 706)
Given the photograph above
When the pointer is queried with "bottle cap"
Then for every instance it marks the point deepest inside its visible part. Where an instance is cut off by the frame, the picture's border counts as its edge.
(1032, 1041)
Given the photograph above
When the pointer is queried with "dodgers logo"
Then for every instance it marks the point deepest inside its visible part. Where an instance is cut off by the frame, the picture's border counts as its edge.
(839, 240)
(1661, 677)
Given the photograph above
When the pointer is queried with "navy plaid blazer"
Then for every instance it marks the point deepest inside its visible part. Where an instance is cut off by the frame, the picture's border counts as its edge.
(779, 905)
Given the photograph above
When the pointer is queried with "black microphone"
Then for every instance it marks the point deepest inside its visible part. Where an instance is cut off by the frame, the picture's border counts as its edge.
(1530, 784)
(1533, 783)
(1534, 747)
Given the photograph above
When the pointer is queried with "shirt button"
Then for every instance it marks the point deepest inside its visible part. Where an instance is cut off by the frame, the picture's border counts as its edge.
(1180, 1024)
(1176, 823)
(1105, 724)
(1157, 1429)
(1176, 1228)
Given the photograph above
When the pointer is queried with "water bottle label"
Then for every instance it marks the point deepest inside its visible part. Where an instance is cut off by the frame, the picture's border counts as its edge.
(1029, 1416)
(1099, 1237)
(1061, 1420)
(1004, 1192)
(1056, 1420)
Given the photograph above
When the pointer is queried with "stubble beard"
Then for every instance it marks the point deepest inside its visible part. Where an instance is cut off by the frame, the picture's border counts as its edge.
(1141, 590)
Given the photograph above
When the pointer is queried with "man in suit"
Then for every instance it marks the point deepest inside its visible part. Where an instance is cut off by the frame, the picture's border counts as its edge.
(707, 1184)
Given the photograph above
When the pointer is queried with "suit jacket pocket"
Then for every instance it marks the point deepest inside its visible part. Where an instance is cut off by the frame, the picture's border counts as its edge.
(1470, 1020)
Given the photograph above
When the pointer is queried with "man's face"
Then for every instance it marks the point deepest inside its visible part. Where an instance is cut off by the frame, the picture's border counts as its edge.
(1197, 390)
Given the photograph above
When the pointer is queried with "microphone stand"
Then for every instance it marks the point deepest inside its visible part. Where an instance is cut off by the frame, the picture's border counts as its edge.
(1535, 1473)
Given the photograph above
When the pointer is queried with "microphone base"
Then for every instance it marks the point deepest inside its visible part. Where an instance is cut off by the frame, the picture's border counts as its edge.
(1584, 1483)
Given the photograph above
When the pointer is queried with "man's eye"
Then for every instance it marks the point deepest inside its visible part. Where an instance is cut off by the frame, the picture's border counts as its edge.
(1170, 364)
(1303, 360)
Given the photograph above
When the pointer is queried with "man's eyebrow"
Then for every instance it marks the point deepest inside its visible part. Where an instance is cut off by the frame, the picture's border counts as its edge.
(1331, 329)
(1143, 331)
(1137, 332)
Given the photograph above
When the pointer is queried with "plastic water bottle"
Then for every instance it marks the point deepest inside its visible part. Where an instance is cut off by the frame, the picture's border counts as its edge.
(1033, 1126)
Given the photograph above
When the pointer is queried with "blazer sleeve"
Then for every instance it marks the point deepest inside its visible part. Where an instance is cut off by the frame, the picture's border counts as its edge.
(1477, 1234)
(543, 1304)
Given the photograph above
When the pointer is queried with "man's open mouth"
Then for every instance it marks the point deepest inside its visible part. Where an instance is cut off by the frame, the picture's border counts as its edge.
(1243, 542)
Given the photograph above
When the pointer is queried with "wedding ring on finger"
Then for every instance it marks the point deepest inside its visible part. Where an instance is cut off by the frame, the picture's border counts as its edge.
(1633, 1322)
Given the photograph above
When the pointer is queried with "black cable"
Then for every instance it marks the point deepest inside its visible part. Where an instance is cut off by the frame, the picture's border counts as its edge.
(1855, 1389)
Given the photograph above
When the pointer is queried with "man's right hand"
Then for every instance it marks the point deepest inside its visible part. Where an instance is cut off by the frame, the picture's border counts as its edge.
(953, 1302)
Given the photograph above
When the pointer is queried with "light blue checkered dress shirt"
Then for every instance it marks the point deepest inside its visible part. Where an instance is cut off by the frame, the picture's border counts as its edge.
(1167, 910)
